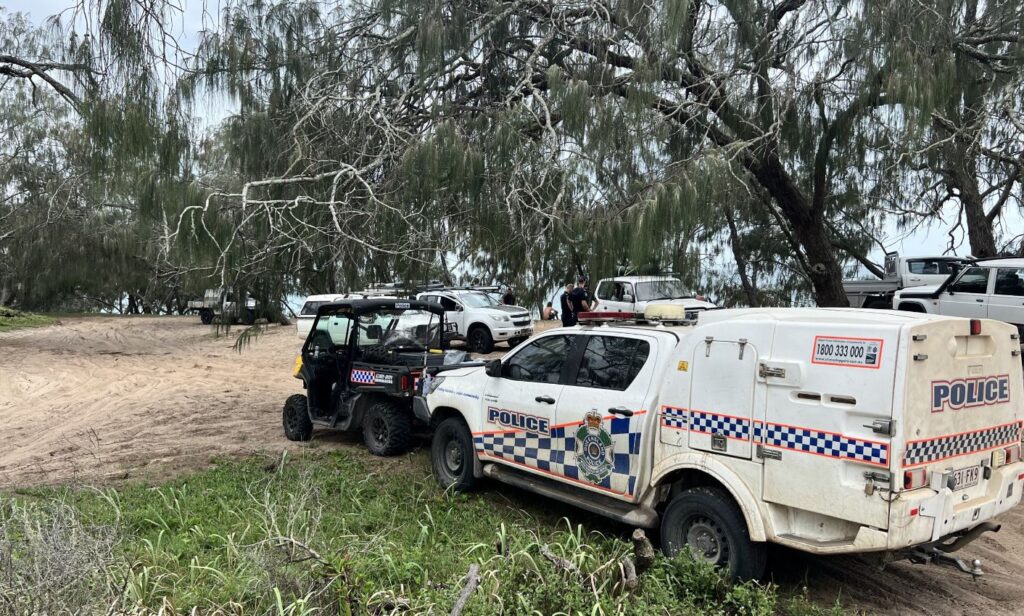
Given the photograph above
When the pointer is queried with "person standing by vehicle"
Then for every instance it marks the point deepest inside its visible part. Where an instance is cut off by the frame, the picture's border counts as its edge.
(549, 313)
(568, 319)
(509, 299)
(579, 299)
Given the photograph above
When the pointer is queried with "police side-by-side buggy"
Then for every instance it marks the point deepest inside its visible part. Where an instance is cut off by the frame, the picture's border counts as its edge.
(826, 430)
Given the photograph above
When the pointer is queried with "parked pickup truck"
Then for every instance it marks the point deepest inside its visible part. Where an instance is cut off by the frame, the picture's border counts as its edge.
(826, 430)
(991, 288)
(900, 273)
(218, 302)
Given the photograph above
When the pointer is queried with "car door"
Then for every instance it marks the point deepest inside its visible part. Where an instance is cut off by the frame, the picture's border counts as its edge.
(968, 295)
(602, 410)
(454, 316)
(1007, 300)
(519, 406)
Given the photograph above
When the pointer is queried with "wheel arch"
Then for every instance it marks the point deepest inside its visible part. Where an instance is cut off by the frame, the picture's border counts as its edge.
(908, 305)
(693, 470)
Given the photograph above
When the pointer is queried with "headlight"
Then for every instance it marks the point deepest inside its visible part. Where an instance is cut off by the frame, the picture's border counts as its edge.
(500, 318)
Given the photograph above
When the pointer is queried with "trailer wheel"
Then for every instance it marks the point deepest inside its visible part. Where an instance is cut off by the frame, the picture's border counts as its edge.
(295, 417)
(206, 316)
(387, 428)
(878, 304)
(708, 523)
(452, 454)
(480, 340)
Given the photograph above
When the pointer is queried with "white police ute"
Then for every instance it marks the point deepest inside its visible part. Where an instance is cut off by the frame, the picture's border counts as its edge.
(827, 430)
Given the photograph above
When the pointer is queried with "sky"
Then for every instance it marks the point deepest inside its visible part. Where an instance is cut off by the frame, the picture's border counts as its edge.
(922, 241)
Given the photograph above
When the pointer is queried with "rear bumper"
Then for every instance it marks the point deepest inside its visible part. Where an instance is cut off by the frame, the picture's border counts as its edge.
(925, 515)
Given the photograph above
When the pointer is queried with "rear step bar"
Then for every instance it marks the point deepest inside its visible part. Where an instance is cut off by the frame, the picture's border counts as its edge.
(633, 515)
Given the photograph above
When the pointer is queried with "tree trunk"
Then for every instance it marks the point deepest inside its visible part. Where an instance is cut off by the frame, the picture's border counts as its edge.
(741, 260)
(809, 227)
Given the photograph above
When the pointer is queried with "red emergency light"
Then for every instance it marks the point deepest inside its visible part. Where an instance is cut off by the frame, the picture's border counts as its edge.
(975, 327)
(606, 316)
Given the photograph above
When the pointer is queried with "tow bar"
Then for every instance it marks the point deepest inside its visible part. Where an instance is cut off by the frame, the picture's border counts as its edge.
(938, 552)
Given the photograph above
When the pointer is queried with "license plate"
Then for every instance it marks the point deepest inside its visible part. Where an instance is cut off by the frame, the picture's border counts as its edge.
(966, 477)
(522, 332)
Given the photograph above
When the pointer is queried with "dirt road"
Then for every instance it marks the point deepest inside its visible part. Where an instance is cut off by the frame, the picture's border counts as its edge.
(101, 399)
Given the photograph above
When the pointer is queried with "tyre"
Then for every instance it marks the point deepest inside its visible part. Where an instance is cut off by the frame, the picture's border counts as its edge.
(710, 524)
(206, 316)
(877, 304)
(514, 342)
(387, 428)
(480, 340)
(452, 454)
(910, 307)
(295, 417)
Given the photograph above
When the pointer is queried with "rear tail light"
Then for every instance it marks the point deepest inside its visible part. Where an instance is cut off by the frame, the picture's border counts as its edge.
(915, 478)
(404, 384)
(975, 327)
(1006, 455)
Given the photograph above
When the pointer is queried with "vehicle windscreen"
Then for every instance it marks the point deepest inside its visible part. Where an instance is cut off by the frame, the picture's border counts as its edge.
(661, 289)
(943, 267)
(396, 329)
(478, 300)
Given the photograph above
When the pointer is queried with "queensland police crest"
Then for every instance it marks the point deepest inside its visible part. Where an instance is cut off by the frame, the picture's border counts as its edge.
(594, 449)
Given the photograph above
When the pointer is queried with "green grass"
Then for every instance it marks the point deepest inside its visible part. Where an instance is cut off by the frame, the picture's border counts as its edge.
(332, 533)
(14, 319)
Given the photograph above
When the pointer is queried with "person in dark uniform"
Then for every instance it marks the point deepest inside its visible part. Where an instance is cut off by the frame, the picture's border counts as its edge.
(509, 299)
(579, 299)
(568, 319)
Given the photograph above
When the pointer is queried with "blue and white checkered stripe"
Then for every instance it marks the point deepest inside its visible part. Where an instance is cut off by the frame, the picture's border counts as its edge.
(675, 418)
(822, 443)
(955, 445)
(556, 453)
(711, 423)
(363, 377)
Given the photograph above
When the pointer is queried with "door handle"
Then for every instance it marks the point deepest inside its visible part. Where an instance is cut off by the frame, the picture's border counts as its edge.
(620, 410)
(979, 300)
(545, 399)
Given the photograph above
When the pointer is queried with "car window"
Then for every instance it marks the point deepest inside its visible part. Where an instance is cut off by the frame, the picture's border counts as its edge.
(604, 290)
(610, 362)
(310, 307)
(944, 267)
(448, 303)
(540, 361)
(972, 280)
(1010, 281)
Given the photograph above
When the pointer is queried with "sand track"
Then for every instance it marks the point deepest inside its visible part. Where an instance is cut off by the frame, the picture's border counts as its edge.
(106, 399)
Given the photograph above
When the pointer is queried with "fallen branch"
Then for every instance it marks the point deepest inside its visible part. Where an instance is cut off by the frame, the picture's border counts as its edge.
(642, 550)
(472, 579)
(629, 579)
(559, 562)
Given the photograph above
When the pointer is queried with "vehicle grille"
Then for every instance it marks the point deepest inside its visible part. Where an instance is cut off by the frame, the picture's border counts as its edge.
(521, 320)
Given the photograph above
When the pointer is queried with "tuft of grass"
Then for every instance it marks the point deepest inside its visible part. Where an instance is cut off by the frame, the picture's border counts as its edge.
(333, 533)
(14, 319)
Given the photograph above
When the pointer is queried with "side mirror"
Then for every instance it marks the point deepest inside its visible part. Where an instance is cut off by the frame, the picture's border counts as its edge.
(493, 368)
(374, 332)
(627, 298)
(458, 307)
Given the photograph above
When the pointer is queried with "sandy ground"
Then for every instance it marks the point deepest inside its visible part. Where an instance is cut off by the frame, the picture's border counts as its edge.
(107, 399)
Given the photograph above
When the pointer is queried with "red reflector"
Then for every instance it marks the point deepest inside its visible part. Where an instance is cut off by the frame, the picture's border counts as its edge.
(975, 327)
(1020, 477)
(405, 382)
(915, 511)
(914, 479)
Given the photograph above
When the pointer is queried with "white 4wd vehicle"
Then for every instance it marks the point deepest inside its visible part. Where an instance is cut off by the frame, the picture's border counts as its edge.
(307, 314)
(991, 289)
(480, 319)
(826, 430)
(634, 293)
(901, 273)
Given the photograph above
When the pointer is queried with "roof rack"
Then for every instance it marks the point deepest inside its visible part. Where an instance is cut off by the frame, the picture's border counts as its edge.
(477, 287)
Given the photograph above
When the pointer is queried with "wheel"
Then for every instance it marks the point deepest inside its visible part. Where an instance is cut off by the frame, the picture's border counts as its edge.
(387, 428)
(910, 307)
(295, 417)
(480, 340)
(514, 342)
(248, 317)
(708, 522)
(452, 454)
(877, 304)
(206, 316)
